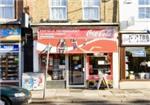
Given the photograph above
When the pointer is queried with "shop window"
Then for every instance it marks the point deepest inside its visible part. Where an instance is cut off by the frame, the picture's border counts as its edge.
(99, 63)
(137, 63)
(7, 9)
(9, 66)
(91, 9)
(144, 9)
(56, 66)
(58, 10)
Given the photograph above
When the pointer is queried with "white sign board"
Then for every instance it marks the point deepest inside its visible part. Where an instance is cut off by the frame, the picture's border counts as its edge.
(101, 62)
(135, 39)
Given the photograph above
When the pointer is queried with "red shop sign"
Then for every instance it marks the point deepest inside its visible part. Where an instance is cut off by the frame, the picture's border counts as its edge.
(47, 33)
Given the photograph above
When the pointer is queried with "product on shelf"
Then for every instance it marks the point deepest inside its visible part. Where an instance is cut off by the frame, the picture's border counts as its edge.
(9, 66)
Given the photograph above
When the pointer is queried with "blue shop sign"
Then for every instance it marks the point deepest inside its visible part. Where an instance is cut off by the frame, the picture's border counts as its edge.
(10, 31)
(14, 47)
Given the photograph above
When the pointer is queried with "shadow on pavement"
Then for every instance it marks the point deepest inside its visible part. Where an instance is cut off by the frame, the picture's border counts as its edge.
(140, 101)
(89, 102)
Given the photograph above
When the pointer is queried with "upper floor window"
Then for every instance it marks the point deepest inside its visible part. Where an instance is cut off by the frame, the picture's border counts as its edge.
(58, 10)
(7, 9)
(91, 9)
(144, 9)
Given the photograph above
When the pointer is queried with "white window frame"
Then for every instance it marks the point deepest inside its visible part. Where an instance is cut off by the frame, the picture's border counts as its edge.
(83, 11)
(13, 6)
(50, 11)
(144, 6)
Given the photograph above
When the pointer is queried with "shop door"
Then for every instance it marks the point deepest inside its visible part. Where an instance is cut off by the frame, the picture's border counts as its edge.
(76, 70)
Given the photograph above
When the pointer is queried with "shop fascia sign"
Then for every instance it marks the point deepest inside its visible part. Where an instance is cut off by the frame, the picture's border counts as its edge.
(135, 39)
(13, 47)
(76, 33)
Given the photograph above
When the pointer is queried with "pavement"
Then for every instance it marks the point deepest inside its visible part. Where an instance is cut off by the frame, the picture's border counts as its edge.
(120, 96)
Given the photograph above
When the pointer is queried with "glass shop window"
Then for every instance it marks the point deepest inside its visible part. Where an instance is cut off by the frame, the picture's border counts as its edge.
(56, 66)
(137, 63)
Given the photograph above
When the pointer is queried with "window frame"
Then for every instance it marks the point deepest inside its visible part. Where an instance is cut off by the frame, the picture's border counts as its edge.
(13, 11)
(93, 6)
(50, 11)
(142, 6)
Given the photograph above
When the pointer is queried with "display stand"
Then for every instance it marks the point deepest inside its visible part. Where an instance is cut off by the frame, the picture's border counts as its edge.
(102, 79)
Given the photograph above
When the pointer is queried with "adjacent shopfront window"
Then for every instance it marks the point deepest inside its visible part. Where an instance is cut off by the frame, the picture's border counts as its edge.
(9, 62)
(56, 66)
(137, 63)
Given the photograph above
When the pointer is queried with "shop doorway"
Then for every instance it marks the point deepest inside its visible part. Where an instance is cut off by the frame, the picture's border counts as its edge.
(76, 71)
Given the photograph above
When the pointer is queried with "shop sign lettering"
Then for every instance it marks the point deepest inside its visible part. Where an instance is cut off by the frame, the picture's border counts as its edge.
(9, 47)
(76, 33)
(100, 34)
(135, 39)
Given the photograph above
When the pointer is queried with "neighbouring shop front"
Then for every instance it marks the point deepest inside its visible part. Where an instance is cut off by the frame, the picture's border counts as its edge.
(73, 55)
(10, 55)
(135, 60)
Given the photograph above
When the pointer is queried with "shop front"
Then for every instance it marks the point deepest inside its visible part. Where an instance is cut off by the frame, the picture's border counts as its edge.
(135, 61)
(73, 55)
(10, 55)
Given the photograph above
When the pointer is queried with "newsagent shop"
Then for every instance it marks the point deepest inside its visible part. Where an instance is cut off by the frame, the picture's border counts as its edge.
(72, 55)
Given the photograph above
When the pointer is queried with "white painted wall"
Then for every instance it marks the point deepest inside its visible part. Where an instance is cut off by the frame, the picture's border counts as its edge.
(135, 85)
(128, 17)
(115, 70)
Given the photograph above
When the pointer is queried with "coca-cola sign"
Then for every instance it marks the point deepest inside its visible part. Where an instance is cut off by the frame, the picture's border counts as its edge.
(106, 33)
(100, 33)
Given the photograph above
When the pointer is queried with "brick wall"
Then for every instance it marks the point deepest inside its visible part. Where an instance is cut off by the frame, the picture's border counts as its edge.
(39, 10)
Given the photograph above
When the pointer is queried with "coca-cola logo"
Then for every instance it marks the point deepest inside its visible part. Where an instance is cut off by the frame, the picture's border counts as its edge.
(100, 33)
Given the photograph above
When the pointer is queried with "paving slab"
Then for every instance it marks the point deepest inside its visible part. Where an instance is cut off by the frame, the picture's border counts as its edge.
(90, 96)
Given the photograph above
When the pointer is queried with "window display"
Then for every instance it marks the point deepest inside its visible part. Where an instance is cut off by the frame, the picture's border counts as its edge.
(97, 63)
(9, 66)
(137, 63)
(100, 69)
(56, 66)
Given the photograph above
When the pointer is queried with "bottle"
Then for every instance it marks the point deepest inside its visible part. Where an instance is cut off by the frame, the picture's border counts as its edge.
(131, 76)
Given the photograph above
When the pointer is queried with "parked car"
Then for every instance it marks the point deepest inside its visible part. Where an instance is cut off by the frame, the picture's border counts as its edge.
(14, 95)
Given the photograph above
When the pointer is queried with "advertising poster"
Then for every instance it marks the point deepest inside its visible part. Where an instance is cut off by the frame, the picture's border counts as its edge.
(9, 34)
(33, 81)
(77, 40)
